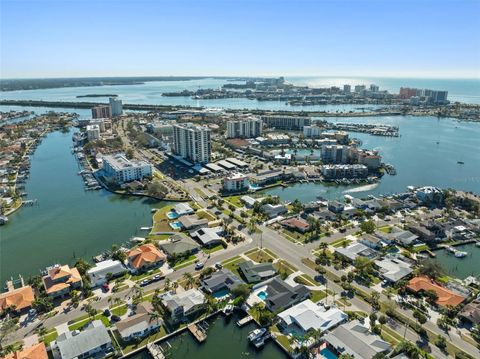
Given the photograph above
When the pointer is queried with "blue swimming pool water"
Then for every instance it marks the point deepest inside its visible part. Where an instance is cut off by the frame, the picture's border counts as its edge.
(220, 293)
(175, 225)
(328, 354)
(172, 215)
(255, 186)
(262, 295)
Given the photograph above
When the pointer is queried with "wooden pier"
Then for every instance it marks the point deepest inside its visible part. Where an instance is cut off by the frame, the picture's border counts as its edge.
(155, 351)
(245, 320)
(198, 332)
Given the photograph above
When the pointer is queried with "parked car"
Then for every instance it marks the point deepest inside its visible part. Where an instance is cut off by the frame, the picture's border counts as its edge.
(156, 278)
(199, 266)
(144, 282)
(115, 318)
(107, 313)
(218, 265)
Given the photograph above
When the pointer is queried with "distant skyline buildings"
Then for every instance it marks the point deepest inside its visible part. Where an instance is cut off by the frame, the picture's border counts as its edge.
(424, 39)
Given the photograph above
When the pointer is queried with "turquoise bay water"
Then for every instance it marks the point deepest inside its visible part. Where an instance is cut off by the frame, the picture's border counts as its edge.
(68, 221)
(460, 267)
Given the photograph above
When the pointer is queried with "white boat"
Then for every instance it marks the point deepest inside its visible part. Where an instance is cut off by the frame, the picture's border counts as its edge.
(477, 244)
(137, 239)
(228, 309)
(256, 334)
(3, 220)
(145, 228)
(460, 254)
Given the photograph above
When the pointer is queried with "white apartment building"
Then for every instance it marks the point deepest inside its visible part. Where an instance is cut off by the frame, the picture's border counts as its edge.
(192, 142)
(283, 122)
(121, 169)
(249, 127)
(335, 153)
(116, 106)
(235, 183)
(93, 132)
(344, 171)
(312, 131)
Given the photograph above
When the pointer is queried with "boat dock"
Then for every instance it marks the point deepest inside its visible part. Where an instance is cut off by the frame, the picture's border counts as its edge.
(155, 351)
(245, 320)
(198, 332)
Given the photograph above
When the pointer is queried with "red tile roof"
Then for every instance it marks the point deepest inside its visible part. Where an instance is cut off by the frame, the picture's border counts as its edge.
(21, 298)
(445, 296)
(145, 255)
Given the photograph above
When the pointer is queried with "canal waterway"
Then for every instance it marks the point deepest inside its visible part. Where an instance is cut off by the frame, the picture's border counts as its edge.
(460, 267)
(225, 340)
(68, 221)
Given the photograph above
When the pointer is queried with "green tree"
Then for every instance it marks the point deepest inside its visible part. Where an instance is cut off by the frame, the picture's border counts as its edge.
(368, 226)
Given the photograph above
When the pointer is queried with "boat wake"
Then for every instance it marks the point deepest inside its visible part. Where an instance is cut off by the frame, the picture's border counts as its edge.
(365, 188)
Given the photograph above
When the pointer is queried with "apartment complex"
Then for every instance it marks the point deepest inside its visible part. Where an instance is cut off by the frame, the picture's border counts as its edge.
(121, 169)
(282, 122)
(235, 183)
(116, 106)
(101, 111)
(192, 142)
(244, 128)
(93, 132)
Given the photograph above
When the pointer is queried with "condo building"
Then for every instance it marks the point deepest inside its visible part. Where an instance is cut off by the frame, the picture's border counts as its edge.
(249, 127)
(121, 169)
(295, 123)
(93, 132)
(101, 111)
(192, 142)
(116, 106)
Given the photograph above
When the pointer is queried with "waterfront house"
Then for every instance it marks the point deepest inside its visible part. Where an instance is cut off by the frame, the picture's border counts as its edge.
(192, 222)
(145, 257)
(307, 315)
(248, 201)
(372, 241)
(101, 271)
(140, 324)
(36, 351)
(393, 268)
(179, 244)
(254, 273)
(335, 206)
(183, 208)
(404, 238)
(93, 342)
(273, 210)
(421, 231)
(356, 250)
(61, 280)
(296, 224)
(355, 339)
(183, 304)
(324, 215)
(471, 313)
(280, 295)
(19, 299)
(208, 237)
(446, 297)
(221, 281)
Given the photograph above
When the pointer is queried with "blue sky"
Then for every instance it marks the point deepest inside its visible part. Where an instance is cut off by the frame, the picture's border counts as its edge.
(422, 38)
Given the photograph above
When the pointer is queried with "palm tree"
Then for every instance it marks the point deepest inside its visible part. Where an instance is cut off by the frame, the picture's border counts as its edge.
(189, 280)
(174, 286)
(167, 284)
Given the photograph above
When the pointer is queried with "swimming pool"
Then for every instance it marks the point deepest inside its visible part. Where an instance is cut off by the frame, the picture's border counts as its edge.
(172, 215)
(175, 225)
(328, 354)
(221, 293)
(262, 295)
(255, 187)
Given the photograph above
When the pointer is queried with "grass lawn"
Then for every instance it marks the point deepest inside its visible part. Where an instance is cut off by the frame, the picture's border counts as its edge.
(139, 276)
(80, 323)
(235, 200)
(186, 261)
(295, 235)
(128, 347)
(216, 248)
(159, 237)
(205, 214)
(200, 192)
(50, 337)
(233, 266)
(160, 220)
(305, 279)
(420, 248)
(385, 229)
(284, 266)
(342, 242)
(121, 310)
(260, 256)
(317, 295)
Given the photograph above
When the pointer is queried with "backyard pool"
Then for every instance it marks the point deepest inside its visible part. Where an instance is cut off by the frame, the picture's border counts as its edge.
(328, 354)
(172, 215)
(262, 295)
(221, 293)
(175, 225)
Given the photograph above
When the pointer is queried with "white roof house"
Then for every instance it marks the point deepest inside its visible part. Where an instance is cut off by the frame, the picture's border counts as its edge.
(393, 269)
(182, 304)
(208, 236)
(308, 315)
(183, 208)
(249, 201)
(98, 273)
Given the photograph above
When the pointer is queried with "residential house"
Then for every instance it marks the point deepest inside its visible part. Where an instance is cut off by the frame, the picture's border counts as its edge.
(139, 325)
(36, 351)
(324, 215)
(93, 342)
(393, 268)
(145, 257)
(220, 281)
(471, 313)
(281, 295)
(356, 250)
(336, 206)
(192, 222)
(208, 237)
(183, 209)
(307, 315)
(445, 296)
(422, 232)
(296, 224)
(179, 244)
(19, 299)
(61, 280)
(404, 238)
(248, 201)
(372, 241)
(273, 210)
(355, 339)
(254, 273)
(101, 271)
(184, 304)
